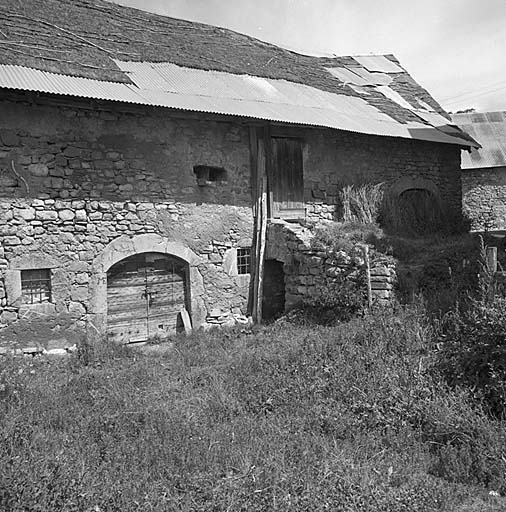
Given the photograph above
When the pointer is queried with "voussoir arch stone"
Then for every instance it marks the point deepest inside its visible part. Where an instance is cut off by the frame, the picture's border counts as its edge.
(125, 246)
(413, 182)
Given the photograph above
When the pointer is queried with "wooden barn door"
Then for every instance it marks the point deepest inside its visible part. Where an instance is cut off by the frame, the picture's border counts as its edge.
(286, 179)
(145, 295)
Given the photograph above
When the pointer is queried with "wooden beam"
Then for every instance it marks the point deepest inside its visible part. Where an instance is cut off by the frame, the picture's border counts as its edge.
(259, 144)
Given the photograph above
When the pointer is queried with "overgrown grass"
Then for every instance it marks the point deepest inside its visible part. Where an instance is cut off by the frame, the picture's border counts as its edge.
(344, 418)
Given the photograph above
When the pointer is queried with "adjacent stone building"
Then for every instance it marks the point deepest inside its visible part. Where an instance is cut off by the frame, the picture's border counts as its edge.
(484, 170)
(143, 180)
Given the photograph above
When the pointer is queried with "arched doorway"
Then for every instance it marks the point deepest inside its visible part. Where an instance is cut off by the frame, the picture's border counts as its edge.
(146, 293)
(419, 210)
(412, 211)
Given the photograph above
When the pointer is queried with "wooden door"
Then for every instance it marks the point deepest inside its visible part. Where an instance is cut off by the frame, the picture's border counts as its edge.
(145, 295)
(286, 179)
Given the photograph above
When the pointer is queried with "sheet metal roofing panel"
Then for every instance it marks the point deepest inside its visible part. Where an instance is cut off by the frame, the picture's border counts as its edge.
(424, 105)
(21, 78)
(378, 63)
(224, 93)
(359, 89)
(432, 118)
(347, 76)
(489, 129)
(373, 78)
(394, 96)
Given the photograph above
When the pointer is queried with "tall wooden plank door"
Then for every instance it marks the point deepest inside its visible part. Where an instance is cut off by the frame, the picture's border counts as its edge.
(145, 294)
(166, 295)
(286, 179)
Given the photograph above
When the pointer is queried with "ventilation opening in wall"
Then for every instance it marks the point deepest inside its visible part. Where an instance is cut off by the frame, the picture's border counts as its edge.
(207, 175)
(36, 286)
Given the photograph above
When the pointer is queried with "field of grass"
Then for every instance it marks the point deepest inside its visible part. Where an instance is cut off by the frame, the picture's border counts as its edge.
(285, 417)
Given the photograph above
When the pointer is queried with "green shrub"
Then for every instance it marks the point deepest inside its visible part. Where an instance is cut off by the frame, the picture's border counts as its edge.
(473, 351)
(338, 301)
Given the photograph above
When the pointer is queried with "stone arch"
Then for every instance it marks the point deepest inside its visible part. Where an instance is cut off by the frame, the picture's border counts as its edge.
(124, 247)
(413, 183)
(413, 204)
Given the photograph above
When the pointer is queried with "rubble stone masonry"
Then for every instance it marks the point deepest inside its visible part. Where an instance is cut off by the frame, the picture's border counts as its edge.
(72, 181)
(336, 159)
(82, 187)
(484, 195)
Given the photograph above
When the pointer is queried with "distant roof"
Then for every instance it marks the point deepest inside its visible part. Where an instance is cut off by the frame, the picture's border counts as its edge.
(97, 49)
(489, 129)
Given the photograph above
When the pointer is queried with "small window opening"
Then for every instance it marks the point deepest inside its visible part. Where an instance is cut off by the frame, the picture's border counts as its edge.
(36, 286)
(244, 260)
(206, 174)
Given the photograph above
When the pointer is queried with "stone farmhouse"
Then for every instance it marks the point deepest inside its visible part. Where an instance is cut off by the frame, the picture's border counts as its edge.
(157, 173)
(484, 170)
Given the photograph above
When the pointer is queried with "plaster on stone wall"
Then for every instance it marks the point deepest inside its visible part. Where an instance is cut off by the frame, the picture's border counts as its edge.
(104, 185)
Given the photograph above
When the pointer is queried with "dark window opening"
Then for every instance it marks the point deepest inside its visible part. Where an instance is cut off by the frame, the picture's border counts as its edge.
(36, 286)
(244, 260)
(206, 174)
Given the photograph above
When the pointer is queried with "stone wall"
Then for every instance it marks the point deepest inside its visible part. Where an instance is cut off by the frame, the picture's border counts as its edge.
(80, 182)
(484, 198)
(307, 269)
(334, 159)
(72, 181)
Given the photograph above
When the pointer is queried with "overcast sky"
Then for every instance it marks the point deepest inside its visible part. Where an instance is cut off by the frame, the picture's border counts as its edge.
(454, 48)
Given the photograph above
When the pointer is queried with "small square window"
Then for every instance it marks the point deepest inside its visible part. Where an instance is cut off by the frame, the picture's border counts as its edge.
(244, 260)
(36, 286)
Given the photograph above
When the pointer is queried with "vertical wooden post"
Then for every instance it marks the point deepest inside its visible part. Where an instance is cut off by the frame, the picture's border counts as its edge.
(492, 269)
(259, 145)
(368, 275)
(492, 260)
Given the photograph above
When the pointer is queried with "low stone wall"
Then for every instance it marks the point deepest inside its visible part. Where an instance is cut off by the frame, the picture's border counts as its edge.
(308, 269)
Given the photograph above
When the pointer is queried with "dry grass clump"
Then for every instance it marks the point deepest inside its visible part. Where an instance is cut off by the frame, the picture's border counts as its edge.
(361, 203)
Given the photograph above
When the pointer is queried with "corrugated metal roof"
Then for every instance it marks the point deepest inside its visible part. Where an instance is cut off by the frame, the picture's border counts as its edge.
(28, 79)
(378, 63)
(489, 129)
(172, 86)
